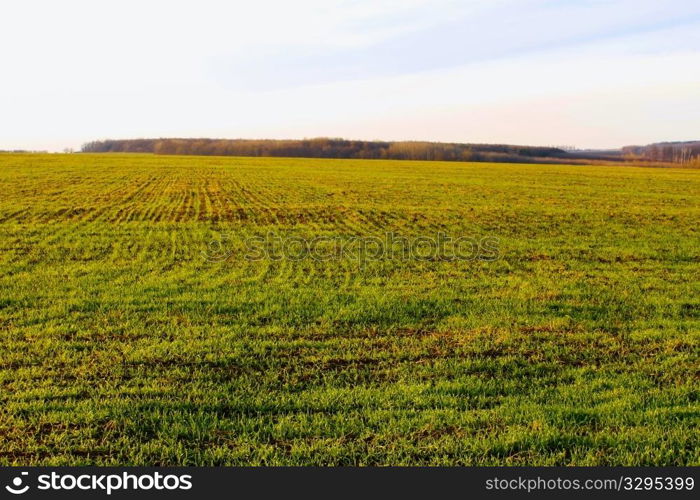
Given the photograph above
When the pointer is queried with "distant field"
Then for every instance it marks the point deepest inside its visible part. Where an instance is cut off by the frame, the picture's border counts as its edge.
(136, 328)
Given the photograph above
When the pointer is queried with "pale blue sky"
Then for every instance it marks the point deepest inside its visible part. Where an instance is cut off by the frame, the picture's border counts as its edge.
(590, 73)
(463, 33)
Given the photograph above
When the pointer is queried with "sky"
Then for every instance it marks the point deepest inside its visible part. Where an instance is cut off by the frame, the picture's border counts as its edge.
(583, 73)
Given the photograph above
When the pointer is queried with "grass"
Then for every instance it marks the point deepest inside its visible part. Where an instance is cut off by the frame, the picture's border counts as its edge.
(133, 329)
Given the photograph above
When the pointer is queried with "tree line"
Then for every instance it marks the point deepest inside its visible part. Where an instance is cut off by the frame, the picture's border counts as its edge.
(327, 148)
(674, 152)
(687, 153)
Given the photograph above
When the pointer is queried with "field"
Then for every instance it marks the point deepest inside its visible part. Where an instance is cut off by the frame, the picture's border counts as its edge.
(137, 328)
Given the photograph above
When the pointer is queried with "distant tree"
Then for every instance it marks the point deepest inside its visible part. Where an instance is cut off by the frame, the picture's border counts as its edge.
(323, 147)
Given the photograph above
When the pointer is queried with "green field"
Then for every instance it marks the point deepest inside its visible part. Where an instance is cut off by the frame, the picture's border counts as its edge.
(135, 328)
